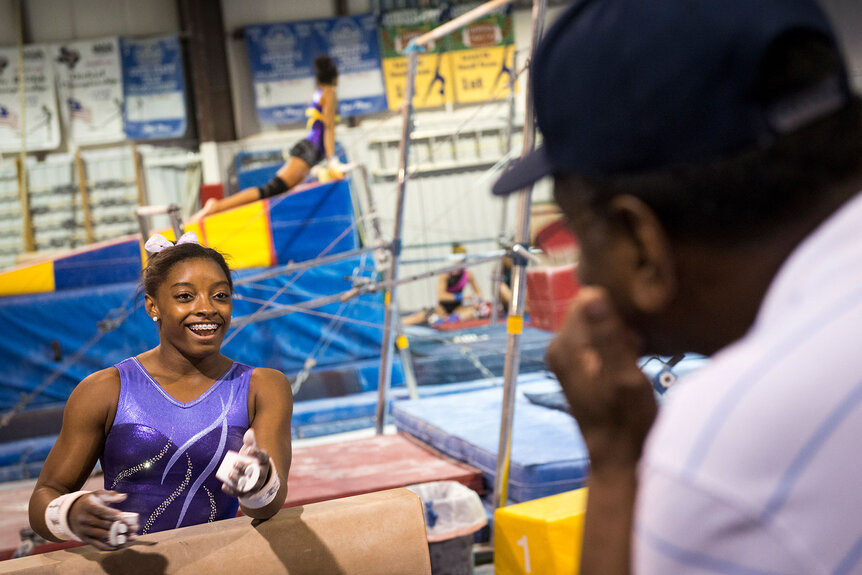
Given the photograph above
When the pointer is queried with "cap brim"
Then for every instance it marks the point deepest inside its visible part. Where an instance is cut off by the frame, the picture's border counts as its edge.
(523, 173)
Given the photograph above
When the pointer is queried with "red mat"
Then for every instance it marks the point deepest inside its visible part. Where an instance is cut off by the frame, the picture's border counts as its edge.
(461, 324)
(334, 470)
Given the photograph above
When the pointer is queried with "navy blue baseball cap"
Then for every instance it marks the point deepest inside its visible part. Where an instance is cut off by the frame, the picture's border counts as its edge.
(627, 86)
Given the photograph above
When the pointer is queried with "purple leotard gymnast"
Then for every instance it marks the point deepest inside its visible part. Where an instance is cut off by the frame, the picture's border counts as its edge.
(316, 124)
(455, 284)
(457, 281)
(164, 453)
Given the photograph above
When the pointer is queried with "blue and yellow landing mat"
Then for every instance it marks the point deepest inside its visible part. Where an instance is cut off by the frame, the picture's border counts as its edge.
(289, 228)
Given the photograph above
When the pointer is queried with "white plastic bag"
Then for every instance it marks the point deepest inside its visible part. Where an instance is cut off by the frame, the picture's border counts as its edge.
(451, 509)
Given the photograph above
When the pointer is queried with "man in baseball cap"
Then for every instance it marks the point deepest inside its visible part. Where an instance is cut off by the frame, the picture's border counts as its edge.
(708, 155)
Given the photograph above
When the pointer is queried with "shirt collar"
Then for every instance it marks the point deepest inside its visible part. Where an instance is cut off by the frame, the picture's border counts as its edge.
(818, 264)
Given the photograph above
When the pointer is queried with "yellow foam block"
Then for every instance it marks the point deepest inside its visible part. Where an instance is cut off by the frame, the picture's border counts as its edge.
(35, 278)
(540, 536)
(242, 235)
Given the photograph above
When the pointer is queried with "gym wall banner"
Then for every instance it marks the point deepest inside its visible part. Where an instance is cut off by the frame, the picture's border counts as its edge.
(91, 90)
(482, 56)
(153, 88)
(433, 82)
(282, 56)
(41, 123)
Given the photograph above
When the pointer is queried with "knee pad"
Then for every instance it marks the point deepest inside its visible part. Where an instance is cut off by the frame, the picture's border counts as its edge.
(273, 187)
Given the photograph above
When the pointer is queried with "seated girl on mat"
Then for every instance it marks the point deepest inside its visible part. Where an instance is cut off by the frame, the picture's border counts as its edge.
(454, 301)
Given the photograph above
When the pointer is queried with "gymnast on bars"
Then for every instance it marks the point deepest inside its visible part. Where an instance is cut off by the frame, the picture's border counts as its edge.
(318, 144)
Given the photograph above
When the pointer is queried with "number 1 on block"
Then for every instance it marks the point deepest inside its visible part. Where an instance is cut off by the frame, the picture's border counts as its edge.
(522, 542)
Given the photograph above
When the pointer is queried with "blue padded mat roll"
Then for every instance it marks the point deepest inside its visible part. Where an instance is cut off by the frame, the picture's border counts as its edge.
(548, 452)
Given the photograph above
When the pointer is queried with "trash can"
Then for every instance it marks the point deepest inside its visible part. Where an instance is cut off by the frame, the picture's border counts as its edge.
(453, 512)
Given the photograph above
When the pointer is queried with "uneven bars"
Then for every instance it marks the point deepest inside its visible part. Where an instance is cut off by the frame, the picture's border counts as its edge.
(344, 296)
(390, 298)
(456, 23)
(296, 266)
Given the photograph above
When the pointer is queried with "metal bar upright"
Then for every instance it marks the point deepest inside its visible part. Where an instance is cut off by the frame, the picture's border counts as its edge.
(143, 214)
(401, 341)
(497, 279)
(389, 298)
(516, 308)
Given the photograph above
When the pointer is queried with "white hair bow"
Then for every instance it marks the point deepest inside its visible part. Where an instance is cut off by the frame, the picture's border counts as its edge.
(158, 242)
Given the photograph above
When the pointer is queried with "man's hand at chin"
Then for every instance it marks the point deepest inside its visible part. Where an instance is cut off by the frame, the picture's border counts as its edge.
(595, 358)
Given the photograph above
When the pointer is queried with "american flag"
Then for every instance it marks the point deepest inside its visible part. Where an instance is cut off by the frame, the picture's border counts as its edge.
(8, 118)
(80, 111)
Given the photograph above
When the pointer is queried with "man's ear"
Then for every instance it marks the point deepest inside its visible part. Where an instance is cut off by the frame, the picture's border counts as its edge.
(653, 279)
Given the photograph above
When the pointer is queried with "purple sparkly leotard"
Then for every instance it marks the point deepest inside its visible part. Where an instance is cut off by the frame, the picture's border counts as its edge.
(315, 122)
(164, 453)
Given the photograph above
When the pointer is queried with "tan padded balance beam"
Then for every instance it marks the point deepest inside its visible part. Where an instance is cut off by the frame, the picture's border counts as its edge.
(380, 533)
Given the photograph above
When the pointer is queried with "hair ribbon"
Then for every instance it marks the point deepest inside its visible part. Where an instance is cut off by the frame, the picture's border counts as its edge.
(158, 242)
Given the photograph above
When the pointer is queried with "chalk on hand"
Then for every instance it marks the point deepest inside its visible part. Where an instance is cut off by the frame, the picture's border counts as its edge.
(117, 533)
(248, 475)
(122, 530)
(131, 521)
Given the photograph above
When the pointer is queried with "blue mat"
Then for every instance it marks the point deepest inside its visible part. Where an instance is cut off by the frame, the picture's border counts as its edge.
(23, 459)
(26, 450)
(325, 416)
(471, 353)
(548, 452)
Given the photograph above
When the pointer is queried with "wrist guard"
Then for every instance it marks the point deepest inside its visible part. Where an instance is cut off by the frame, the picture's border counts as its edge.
(57, 515)
(265, 494)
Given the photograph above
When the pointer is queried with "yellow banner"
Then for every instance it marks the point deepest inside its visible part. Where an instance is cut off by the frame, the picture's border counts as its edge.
(433, 80)
(472, 64)
(482, 74)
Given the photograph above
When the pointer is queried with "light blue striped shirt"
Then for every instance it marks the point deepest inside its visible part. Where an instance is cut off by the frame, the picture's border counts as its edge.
(755, 463)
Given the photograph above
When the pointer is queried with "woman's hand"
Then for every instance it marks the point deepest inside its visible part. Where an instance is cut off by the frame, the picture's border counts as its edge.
(91, 519)
(595, 359)
(261, 458)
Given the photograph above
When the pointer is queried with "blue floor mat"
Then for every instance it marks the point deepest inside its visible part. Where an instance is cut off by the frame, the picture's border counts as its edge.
(471, 353)
(548, 452)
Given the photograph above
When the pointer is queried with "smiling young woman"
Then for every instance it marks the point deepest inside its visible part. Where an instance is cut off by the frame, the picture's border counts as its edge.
(162, 422)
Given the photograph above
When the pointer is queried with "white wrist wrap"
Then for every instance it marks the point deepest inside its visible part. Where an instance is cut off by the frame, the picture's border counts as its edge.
(265, 494)
(57, 515)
